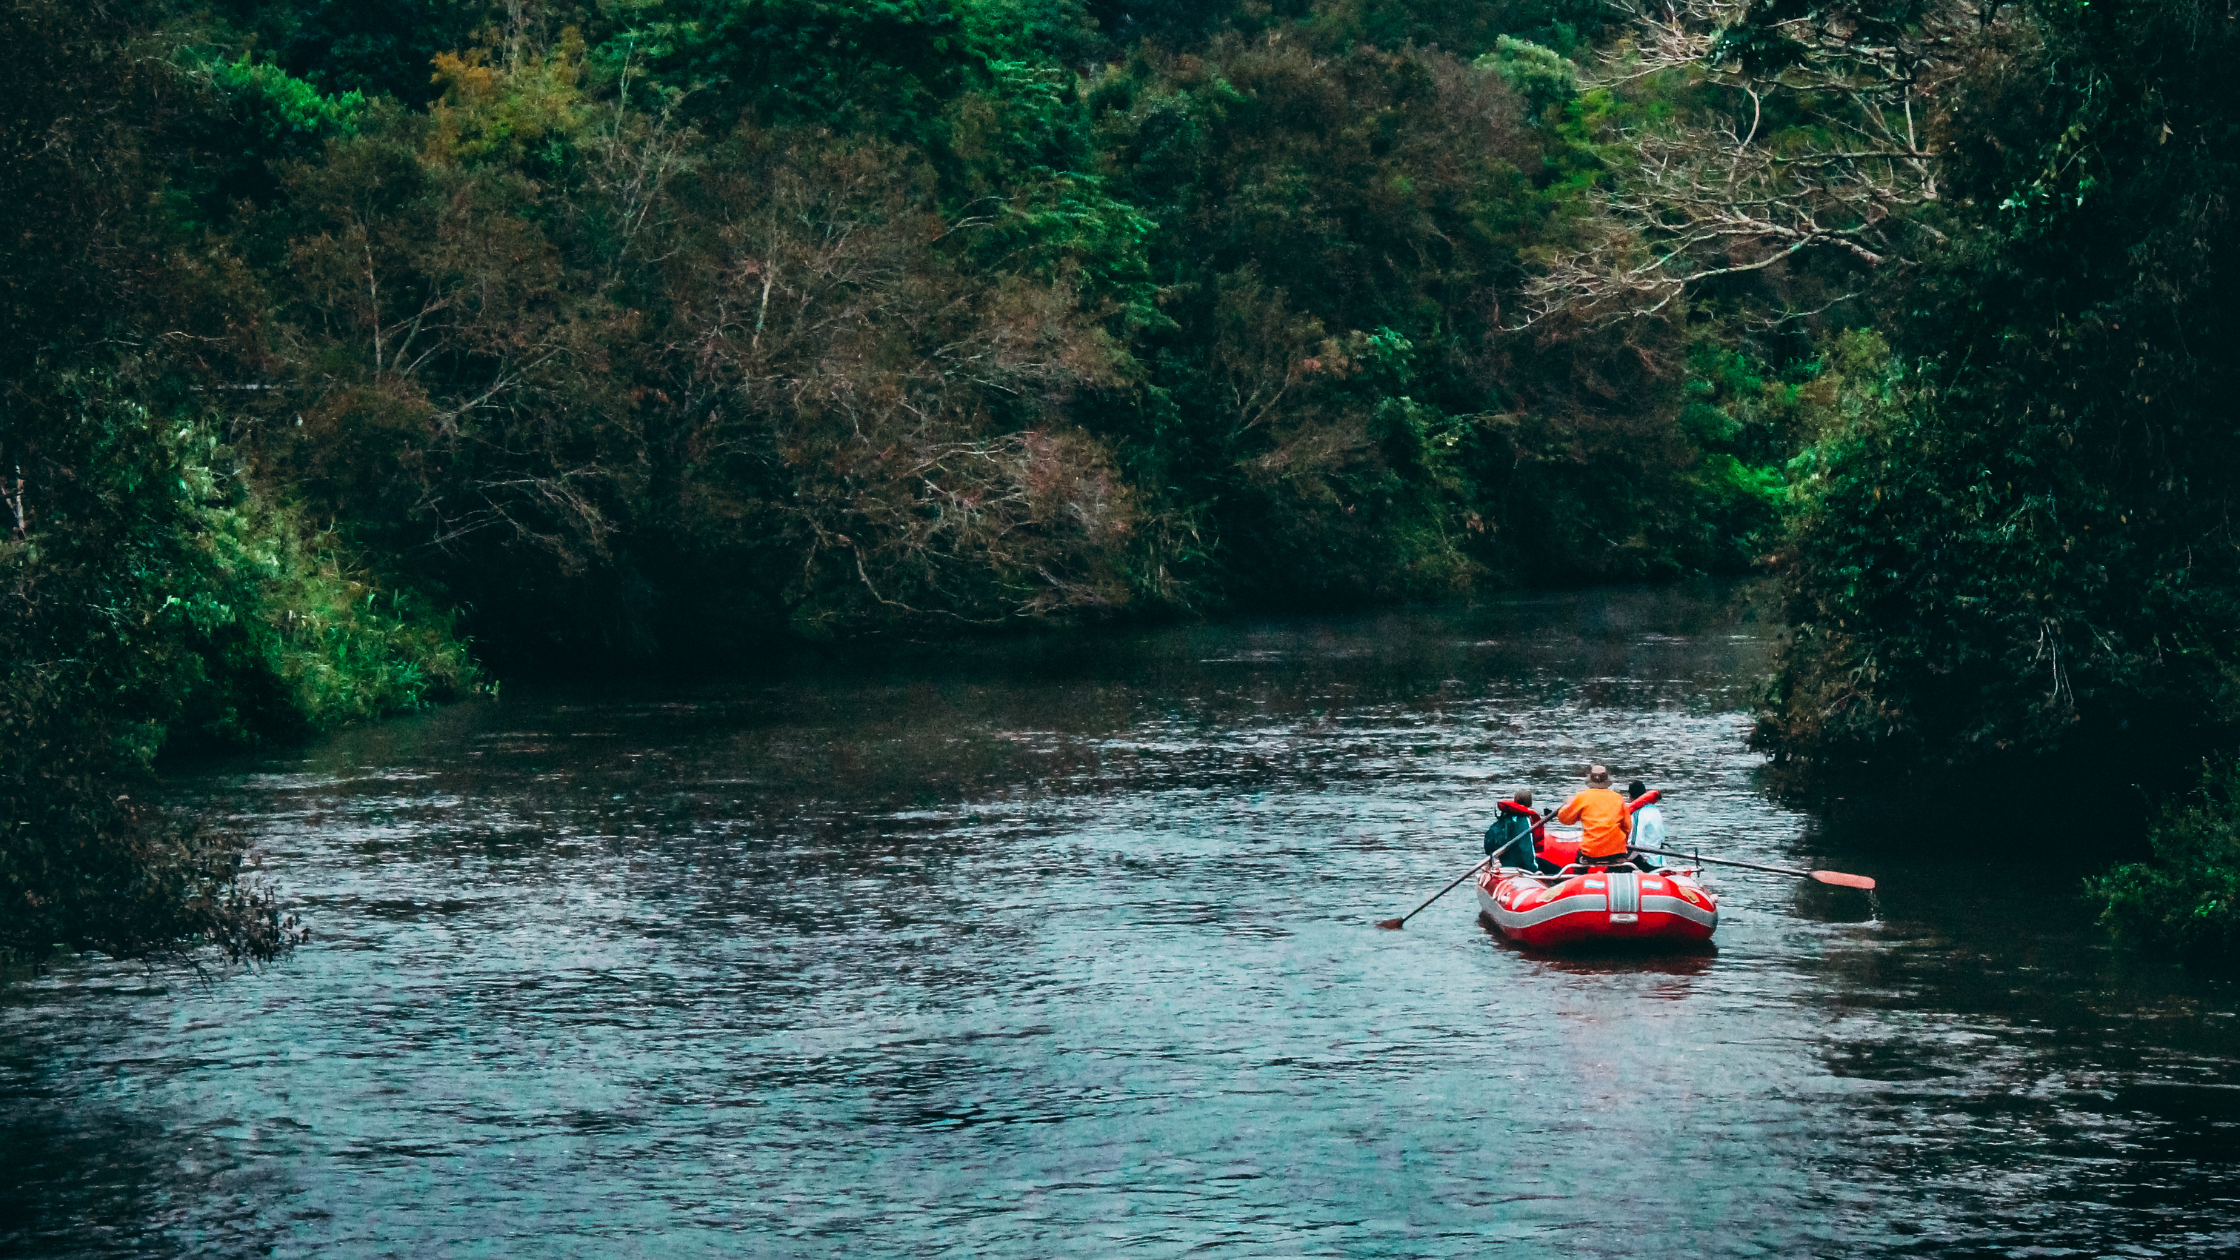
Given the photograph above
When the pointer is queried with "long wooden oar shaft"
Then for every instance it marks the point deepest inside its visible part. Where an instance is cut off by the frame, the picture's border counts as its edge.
(1395, 924)
(1825, 877)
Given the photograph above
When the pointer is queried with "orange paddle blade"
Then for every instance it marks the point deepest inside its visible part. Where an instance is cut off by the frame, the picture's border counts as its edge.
(1391, 925)
(1841, 880)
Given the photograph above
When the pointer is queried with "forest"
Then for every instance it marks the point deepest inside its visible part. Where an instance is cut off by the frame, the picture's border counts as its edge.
(357, 356)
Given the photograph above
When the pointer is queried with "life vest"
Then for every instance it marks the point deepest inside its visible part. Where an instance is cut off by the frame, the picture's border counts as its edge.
(1641, 802)
(1536, 827)
(1530, 815)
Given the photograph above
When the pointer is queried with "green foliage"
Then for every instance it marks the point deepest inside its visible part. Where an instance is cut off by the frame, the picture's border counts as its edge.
(1041, 32)
(252, 114)
(1542, 76)
(2187, 900)
(276, 106)
(152, 594)
(1462, 28)
(650, 326)
(525, 117)
(153, 589)
(347, 47)
(1300, 203)
(887, 67)
(1750, 419)
(290, 633)
(2025, 552)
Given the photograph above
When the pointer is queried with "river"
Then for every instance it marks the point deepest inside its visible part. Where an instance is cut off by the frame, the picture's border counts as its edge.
(1064, 947)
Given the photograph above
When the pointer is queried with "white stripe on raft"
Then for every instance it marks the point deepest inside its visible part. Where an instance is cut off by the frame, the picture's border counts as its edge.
(1685, 909)
(1556, 909)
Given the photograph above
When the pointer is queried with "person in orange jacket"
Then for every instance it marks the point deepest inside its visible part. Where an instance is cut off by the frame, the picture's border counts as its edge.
(1606, 826)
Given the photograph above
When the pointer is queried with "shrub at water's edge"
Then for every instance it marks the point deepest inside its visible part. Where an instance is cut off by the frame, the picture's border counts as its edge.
(2187, 899)
(153, 588)
(155, 594)
(293, 635)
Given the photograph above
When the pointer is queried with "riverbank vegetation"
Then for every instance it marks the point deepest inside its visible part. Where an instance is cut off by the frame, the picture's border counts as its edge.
(2020, 562)
(356, 351)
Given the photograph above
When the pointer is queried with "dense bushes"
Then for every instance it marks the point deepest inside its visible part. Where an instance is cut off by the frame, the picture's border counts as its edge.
(155, 596)
(151, 589)
(2187, 900)
(2022, 556)
(2029, 553)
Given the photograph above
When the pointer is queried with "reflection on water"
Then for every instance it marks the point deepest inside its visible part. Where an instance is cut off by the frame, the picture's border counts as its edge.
(1066, 949)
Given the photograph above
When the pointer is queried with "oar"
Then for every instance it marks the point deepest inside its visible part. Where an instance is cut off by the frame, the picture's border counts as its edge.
(1394, 924)
(1837, 878)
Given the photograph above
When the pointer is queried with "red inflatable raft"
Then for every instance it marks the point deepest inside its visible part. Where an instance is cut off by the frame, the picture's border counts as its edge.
(1597, 905)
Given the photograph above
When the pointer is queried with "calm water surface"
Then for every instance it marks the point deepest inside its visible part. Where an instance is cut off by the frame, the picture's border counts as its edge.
(1066, 950)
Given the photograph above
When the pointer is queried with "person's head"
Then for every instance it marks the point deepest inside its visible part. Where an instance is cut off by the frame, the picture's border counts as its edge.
(1636, 788)
(1598, 776)
(1523, 796)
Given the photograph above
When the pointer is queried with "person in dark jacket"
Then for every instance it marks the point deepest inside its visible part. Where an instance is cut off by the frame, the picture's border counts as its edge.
(1517, 834)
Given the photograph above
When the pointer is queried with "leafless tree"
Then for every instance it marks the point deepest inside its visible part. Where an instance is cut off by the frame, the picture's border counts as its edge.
(892, 418)
(1818, 131)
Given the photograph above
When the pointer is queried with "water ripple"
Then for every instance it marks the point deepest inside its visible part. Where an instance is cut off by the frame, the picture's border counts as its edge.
(1066, 949)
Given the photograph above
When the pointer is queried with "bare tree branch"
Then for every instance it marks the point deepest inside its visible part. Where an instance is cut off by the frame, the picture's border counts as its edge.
(1830, 159)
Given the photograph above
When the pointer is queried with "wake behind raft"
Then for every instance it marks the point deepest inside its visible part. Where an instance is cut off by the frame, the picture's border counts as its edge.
(1590, 904)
